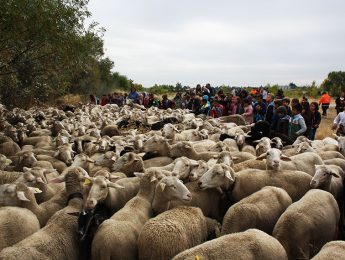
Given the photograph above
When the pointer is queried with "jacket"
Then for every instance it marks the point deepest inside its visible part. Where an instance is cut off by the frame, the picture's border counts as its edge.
(297, 126)
(325, 99)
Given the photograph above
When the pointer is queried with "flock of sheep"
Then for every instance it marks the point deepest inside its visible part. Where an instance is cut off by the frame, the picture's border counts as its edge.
(170, 190)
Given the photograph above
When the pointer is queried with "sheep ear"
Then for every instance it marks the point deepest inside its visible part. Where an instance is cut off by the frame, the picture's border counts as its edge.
(113, 177)
(113, 159)
(57, 179)
(162, 185)
(284, 158)
(193, 163)
(153, 178)
(261, 157)
(88, 159)
(39, 180)
(256, 141)
(335, 136)
(139, 174)
(21, 196)
(228, 175)
(26, 169)
(8, 161)
(114, 185)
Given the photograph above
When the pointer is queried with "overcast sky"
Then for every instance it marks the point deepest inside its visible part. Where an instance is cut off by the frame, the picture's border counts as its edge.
(223, 41)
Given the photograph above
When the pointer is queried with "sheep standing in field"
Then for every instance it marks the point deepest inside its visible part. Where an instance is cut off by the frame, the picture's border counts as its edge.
(246, 182)
(334, 250)
(308, 224)
(251, 244)
(173, 231)
(116, 238)
(15, 225)
(260, 210)
(58, 239)
(302, 162)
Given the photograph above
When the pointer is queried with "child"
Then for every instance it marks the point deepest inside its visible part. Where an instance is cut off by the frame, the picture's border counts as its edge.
(248, 111)
(297, 124)
(315, 119)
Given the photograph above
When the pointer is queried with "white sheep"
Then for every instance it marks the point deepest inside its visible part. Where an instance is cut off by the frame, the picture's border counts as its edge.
(333, 250)
(308, 224)
(260, 210)
(123, 228)
(251, 244)
(174, 231)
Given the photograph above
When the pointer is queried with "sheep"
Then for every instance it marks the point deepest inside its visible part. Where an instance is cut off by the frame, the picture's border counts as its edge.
(58, 239)
(9, 148)
(57, 164)
(124, 227)
(186, 149)
(263, 145)
(4, 162)
(110, 130)
(65, 154)
(169, 188)
(157, 162)
(260, 210)
(198, 171)
(173, 231)
(128, 164)
(246, 182)
(333, 250)
(251, 244)
(301, 162)
(157, 144)
(38, 141)
(341, 144)
(335, 161)
(113, 195)
(249, 149)
(308, 224)
(15, 225)
(325, 155)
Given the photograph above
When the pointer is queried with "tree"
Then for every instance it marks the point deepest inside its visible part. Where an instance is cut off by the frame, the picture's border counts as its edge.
(334, 83)
(45, 48)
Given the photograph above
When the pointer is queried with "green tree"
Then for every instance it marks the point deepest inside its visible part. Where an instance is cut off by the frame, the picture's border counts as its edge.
(334, 83)
(45, 48)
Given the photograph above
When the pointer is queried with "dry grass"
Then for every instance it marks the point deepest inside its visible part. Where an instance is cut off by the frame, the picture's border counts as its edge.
(326, 124)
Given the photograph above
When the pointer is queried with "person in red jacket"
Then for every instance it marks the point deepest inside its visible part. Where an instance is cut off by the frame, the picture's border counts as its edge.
(217, 109)
(324, 102)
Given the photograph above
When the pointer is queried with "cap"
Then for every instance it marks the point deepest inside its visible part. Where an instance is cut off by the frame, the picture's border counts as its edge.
(205, 97)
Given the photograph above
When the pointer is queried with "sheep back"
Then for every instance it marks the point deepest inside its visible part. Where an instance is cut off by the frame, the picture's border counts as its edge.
(251, 244)
(172, 232)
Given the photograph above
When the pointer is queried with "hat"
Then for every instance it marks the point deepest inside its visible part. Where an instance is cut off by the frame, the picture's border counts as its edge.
(205, 97)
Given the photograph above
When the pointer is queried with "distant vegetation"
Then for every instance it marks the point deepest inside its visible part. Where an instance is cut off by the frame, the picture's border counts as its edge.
(47, 51)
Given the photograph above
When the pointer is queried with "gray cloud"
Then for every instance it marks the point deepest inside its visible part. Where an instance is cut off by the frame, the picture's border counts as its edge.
(223, 42)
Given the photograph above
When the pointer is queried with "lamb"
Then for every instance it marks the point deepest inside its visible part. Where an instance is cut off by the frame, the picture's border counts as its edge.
(113, 195)
(260, 210)
(124, 227)
(251, 244)
(308, 224)
(333, 250)
(15, 225)
(58, 239)
(246, 182)
(263, 145)
(182, 227)
(301, 162)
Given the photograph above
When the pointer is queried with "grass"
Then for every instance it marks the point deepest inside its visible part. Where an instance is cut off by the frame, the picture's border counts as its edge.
(326, 123)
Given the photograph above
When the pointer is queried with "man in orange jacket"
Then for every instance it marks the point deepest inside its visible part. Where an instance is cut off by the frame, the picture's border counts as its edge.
(324, 102)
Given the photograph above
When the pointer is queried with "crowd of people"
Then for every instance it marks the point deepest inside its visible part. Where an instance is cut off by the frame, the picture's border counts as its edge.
(289, 118)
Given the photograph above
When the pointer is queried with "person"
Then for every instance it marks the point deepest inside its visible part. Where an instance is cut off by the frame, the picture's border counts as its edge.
(185, 101)
(217, 108)
(324, 102)
(315, 119)
(153, 102)
(210, 89)
(339, 124)
(198, 90)
(178, 100)
(307, 117)
(195, 104)
(340, 102)
(280, 94)
(264, 94)
(259, 109)
(248, 111)
(133, 95)
(104, 100)
(270, 108)
(236, 107)
(275, 117)
(140, 99)
(205, 106)
(297, 125)
(93, 99)
(282, 125)
(166, 103)
(286, 103)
